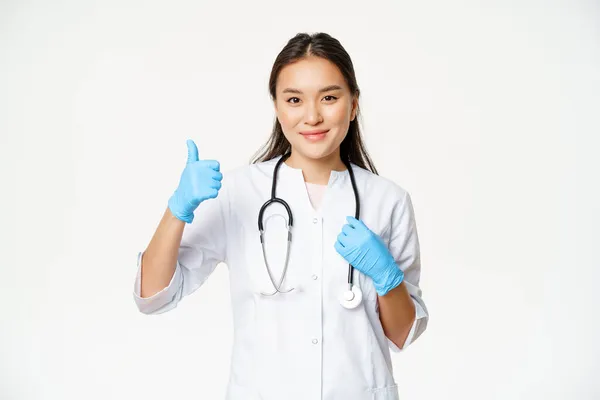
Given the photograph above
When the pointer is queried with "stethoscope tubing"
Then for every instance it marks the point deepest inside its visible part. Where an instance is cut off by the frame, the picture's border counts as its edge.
(275, 199)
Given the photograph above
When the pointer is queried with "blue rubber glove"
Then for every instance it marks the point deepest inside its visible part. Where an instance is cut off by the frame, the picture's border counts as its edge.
(366, 252)
(200, 180)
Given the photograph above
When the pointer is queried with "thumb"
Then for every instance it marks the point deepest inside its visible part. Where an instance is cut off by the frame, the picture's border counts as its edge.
(192, 151)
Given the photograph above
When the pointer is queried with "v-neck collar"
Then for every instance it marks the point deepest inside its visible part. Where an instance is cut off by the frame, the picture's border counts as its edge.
(296, 177)
(334, 176)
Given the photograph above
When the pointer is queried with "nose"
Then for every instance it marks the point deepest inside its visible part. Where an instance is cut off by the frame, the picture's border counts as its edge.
(313, 114)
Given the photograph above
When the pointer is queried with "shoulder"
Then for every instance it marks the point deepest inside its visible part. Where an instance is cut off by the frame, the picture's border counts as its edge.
(380, 185)
(238, 179)
(245, 172)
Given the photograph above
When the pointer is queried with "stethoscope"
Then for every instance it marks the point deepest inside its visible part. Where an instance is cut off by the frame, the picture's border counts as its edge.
(351, 297)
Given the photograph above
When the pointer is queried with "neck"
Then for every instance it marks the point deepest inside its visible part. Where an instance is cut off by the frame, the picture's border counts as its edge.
(316, 170)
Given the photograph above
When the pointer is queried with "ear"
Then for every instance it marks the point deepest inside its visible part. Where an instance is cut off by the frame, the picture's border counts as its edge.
(275, 104)
(354, 108)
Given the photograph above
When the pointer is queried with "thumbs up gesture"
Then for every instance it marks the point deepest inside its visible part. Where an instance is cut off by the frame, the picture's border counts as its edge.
(200, 180)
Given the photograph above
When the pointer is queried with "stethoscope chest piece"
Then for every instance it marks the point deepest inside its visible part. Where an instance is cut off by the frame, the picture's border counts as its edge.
(351, 298)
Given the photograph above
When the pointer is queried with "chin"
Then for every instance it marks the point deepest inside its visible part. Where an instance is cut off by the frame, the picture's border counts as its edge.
(316, 152)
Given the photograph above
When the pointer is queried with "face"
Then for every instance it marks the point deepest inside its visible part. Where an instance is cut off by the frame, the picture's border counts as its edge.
(312, 96)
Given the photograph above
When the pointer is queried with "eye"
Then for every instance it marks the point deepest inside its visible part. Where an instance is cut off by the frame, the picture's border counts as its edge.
(294, 102)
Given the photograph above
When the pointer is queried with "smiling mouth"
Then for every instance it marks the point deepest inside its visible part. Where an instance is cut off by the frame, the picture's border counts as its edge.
(315, 137)
(314, 133)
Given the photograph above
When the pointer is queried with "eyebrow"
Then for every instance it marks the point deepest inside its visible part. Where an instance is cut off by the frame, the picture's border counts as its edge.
(323, 90)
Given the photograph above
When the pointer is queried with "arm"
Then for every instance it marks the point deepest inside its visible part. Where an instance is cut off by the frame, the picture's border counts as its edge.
(395, 269)
(202, 247)
(397, 314)
(395, 310)
(160, 258)
(180, 258)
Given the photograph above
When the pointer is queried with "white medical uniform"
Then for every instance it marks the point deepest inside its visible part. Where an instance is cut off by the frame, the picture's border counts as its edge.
(301, 345)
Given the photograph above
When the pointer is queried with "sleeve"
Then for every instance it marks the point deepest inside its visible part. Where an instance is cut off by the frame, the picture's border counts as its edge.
(404, 247)
(203, 246)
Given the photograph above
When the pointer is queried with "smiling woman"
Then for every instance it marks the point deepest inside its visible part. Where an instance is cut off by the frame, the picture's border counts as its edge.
(316, 118)
(315, 95)
(325, 329)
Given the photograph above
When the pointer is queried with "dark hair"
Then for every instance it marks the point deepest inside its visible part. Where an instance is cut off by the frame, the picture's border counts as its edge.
(321, 45)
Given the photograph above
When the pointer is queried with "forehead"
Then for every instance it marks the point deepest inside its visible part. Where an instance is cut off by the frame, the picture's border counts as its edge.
(310, 74)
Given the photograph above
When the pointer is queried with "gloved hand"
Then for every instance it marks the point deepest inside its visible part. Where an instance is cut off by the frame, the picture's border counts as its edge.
(366, 252)
(200, 180)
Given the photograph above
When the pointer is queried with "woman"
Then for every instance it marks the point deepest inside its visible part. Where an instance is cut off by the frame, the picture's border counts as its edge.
(301, 331)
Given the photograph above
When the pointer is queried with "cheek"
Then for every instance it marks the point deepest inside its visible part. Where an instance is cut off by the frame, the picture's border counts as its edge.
(338, 114)
(288, 118)
(288, 122)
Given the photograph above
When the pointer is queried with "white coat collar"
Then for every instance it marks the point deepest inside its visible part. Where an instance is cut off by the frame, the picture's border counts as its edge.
(296, 173)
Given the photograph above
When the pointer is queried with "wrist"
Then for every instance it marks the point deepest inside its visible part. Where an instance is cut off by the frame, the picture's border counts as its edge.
(390, 279)
(173, 205)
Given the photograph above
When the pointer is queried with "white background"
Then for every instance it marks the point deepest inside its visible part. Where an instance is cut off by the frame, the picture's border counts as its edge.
(486, 112)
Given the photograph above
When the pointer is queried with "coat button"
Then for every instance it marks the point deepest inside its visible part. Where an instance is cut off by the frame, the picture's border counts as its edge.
(315, 341)
(315, 220)
(315, 277)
